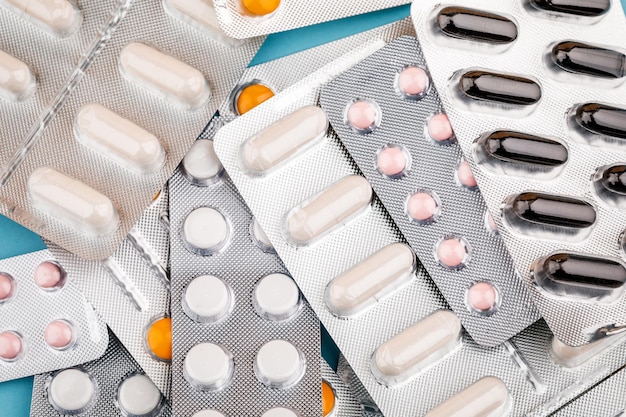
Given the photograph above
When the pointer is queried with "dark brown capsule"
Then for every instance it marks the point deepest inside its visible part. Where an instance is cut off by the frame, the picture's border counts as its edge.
(554, 210)
(521, 148)
(506, 89)
(470, 24)
(581, 58)
(588, 8)
(602, 119)
(613, 179)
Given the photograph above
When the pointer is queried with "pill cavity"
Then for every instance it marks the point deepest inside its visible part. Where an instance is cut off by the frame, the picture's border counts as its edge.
(487, 397)
(17, 80)
(260, 8)
(208, 413)
(7, 287)
(483, 298)
(580, 58)
(366, 283)
(250, 96)
(72, 391)
(423, 207)
(138, 396)
(276, 297)
(490, 224)
(363, 116)
(501, 88)
(601, 119)
(572, 357)
(465, 176)
(208, 299)
(412, 82)
(414, 349)
(393, 161)
(208, 367)
(163, 75)
(588, 8)
(329, 399)
(60, 17)
(439, 129)
(279, 142)
(609, 185)
(200, 12)
(280, 412)
(50, 276)
(328, 210)
(11, 346)
(476, 25)
(453, 252)
(205, 231)
(158, 339)
(259, 236)
(201, 166)
(279, 364)
(60, 334)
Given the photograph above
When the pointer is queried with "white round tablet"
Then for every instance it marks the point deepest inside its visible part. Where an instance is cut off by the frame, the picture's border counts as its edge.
(208, 413)
(276, 297)
(71, 391)
(279, 364)
(260, 237)
(138, 396)
(208, 366)
(205, 231)
(201, 165)
(280, 412)
(207, 299)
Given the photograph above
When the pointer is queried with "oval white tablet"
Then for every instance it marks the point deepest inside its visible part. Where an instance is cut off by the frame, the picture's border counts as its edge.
(71, 390)
(260, 237)
(164, 75)
(487, 397)
(208, 413)
(417, 347)
(208, 367)
(278, 142)
(72, 202)
(322, 213)
(205, 231)
(208, 299)
(375, 277)
(276, 297)
(138, 396)
(118, 139)
(279, 364)
(201, 165)
(200, 11)
(61, 17)
(571, 357)
(280, 412)
(17, 81)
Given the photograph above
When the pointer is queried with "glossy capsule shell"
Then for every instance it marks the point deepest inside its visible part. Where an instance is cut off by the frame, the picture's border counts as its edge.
(327, 210)
(61, 17)
(610, 183)
(17, 81)
(283, 139)
(602, 119)
(501, 88)
(580, 58)
(521, 148)
(553, 210)
(487, 397)
(373, 278)
(463, 23)
(588, 8)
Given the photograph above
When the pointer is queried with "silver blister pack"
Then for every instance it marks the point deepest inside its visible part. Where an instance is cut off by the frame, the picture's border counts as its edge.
(322, 220)
(392, 123)
(343, 403)
(113, 385)
(122, 130)
(45, 322)
(547, 155)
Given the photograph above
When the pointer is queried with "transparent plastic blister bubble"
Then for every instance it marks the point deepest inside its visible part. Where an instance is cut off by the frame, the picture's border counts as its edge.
(128, 119)
(421, 357)
(130, 290)
(545, 142)
(113, 385)
(45, 321)
(428, 189)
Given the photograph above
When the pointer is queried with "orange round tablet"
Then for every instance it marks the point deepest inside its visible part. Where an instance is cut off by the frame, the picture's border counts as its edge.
(159, 339)
(328, 399)
(260, 7)
(251, 96)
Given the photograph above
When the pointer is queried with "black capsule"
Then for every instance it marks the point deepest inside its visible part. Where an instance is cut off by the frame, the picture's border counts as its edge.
(462, 23)
(602, 119)
(613, 179)
(521, 148)
(507, 89)
(580, 58)
(588, 8)
(554, 210)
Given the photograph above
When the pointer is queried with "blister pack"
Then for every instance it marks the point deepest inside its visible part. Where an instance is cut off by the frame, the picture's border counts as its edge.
(113, 385)
(337, 400)
(122, 130)
(390, 119)
(45, 322)
(343, 249)
(535, 93)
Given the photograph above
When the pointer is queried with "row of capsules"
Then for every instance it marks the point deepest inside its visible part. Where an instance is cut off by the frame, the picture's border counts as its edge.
(535, 92)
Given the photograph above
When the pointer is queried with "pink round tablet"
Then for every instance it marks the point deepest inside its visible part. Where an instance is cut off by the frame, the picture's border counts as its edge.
(59, 334)
(422, 207)
(49, 275)
(392, 161)
(363, 115)
(412, 82)
(482, 297)
(452, 252)
(6, 287)
(439, 128)
(466, 176)
(10, 346)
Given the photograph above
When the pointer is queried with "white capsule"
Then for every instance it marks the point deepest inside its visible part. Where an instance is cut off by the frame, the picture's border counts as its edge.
(60, 17)
(72, 202)
(200, 11)
(17, 81)
(164, 75)
(327, 210)
(414, 349)
(373, 278)
(487, 397)
(118, 139)
(285, 138)
(571, 357)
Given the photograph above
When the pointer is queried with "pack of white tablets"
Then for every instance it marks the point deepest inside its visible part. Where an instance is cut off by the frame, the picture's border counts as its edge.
(123, 125)
(536, 95)
(113, 385)
(45, 322)
(333, 234)
(390, 119)
(337, 399)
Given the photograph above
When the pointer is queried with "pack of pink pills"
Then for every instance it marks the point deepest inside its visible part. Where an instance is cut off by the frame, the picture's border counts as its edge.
(45, 322)
(535, 93)
(390, 119)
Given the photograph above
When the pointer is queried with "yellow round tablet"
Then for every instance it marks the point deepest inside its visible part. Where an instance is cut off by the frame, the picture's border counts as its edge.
(251, 96)
(260, 7)
(328, 399)
(159, 339)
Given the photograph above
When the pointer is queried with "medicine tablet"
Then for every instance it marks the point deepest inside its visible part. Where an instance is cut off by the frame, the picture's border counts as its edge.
(158, 339)
(205, 231)
(50, 276)
(201, 165)
(393, 161)
(280, 412)
(423, 207)
(208, 413)
(7, 287)
(10, 346)
(138, 396)
(329, 399)
(260, 237)
(71, 391)
(439, 129)
(465, 176)
(260, 7)
(363, 116)
(198, 11)
(279, 364)
(276, 297)
(60, 17)
(17, 80)
(60, 334)
(251, 96)
(453, 252)
(487, 397)
(208, 299)
(208, 366)
(483, 298)
(412, 82)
